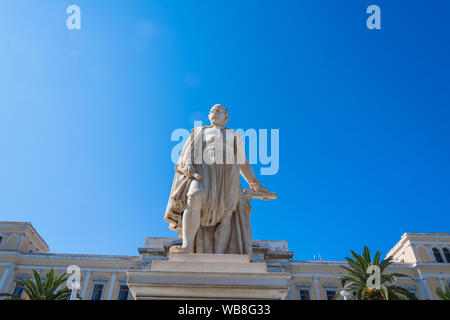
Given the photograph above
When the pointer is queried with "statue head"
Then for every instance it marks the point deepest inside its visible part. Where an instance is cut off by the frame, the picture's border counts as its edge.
(218, 115)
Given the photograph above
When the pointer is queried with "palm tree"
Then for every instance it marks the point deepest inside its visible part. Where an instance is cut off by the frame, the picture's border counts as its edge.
(358, 279)
(43, 290)
(443, 295)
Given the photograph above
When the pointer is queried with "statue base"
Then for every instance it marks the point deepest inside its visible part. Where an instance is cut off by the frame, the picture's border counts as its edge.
(208, 276)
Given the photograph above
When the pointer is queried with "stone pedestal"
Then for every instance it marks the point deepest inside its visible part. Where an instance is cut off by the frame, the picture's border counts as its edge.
(208, 276)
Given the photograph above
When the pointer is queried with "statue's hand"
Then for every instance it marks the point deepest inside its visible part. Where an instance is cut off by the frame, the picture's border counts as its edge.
(257, 187)
(190, 170)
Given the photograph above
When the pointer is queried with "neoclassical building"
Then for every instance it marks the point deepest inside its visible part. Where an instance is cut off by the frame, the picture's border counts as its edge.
(423, 256)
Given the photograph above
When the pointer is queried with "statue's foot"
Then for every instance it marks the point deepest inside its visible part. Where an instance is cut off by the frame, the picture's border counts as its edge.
(181, 249)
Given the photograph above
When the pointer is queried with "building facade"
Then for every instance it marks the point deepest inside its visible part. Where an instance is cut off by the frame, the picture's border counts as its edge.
(425, 257)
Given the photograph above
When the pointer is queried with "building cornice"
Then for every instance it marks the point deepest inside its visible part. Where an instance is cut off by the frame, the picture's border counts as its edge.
(64, 256)
(60, 268)
(428, 234)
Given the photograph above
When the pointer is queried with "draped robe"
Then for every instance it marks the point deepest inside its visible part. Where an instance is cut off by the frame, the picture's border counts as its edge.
(219, 189)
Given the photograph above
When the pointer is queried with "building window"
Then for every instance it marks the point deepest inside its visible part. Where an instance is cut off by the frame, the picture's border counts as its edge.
(330, 290)
(304, 290)
(97, 291)
(446, 254)
(330, 293)
(123, 292)
(18, 291)
(303, 294)
(437, 255)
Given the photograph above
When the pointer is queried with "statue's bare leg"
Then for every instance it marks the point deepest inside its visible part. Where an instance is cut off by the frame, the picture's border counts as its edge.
(223, 233)
(191, 224)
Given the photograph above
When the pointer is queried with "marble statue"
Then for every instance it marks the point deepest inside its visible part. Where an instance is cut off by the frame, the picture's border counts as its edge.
(207, 205)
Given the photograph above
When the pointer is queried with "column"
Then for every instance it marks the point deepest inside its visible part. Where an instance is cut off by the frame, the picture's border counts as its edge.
(6, 274)
(426, 293)
(86, 283)
(291, 294)
(442, 284)
(422, 289)
(427, 288)
(111, 286)
(11, 278)
(316, 285)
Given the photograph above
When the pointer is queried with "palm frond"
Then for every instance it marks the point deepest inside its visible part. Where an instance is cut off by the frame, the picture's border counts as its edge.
(443, 295)
(357, 278)
(37, 289)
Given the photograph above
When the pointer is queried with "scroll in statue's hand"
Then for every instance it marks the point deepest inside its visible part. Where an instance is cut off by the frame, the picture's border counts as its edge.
(251, 193)
(257, 187)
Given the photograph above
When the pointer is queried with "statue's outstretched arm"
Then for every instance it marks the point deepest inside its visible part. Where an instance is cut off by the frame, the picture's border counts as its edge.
(245, 168)
(248, 173)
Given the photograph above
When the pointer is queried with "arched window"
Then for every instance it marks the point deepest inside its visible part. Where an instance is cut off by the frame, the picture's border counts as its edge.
(446, 254)
(437, 255)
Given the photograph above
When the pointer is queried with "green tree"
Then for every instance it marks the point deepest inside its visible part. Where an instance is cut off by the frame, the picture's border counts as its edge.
(37, 289)
(359, 279)
(443, 295)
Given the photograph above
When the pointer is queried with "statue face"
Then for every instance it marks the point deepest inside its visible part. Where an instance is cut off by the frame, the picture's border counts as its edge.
(218, 115)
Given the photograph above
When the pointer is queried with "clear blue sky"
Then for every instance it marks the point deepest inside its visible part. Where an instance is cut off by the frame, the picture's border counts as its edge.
(364, 116)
